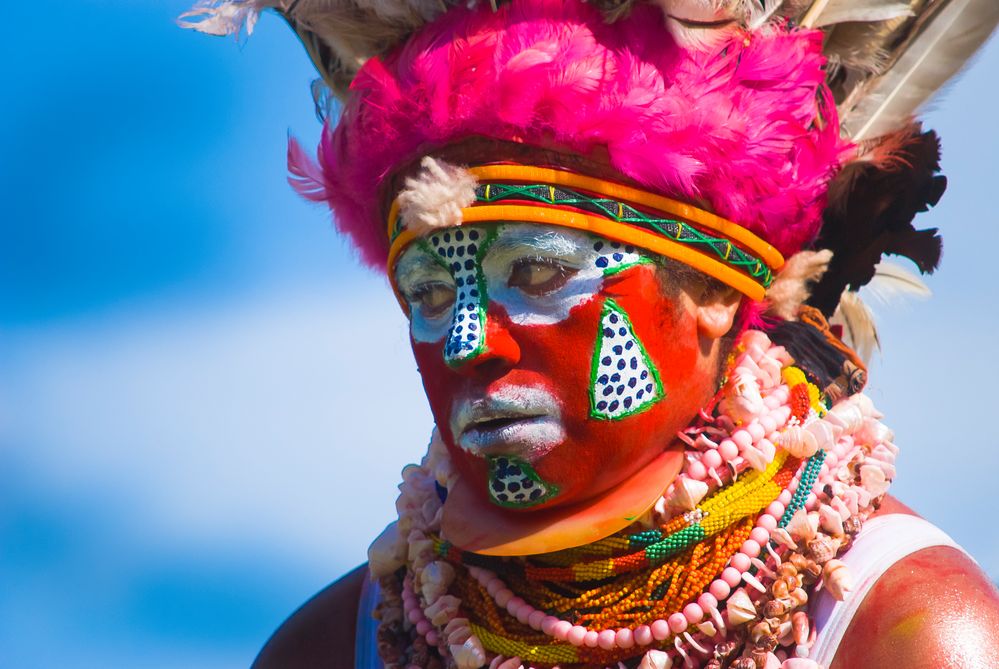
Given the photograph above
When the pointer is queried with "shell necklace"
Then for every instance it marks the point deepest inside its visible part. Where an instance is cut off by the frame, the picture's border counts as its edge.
(717, 574)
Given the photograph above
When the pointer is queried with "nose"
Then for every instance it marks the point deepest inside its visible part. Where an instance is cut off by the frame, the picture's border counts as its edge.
(479, 341)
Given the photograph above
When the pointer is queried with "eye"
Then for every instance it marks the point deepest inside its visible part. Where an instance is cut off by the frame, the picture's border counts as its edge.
(432, 299)
(539, 276)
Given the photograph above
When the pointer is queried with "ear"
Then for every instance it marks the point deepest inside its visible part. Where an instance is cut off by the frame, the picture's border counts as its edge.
(716, 309)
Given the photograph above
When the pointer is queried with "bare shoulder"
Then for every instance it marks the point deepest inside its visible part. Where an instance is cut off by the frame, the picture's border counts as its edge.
(320, 634)
(934, 609)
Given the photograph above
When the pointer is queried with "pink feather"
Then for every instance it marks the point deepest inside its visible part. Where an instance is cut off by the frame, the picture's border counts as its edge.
(734, 125)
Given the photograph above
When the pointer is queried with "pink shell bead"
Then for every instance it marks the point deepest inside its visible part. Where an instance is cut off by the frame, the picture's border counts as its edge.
(728, 449)
(719, 589)
(503, 597)
(732, 576)
(707, 601)
(741, 562)
(677, 623)
(534, 620)
(776, 509)
(660, 630)
(643, 635)
(591, 639)
(624, 638)
(751, 548)
(742, 439)
(696, 470)
(433, 637)
(606, 639)
(712, 459)
(561, 630)
(422, 627)
(760, 534)
(756, 431)
(693, 613)
(548, 625)
(576, 635)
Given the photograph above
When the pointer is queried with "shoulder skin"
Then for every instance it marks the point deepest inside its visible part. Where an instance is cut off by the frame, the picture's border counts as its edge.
(320, 634)
(934, 609)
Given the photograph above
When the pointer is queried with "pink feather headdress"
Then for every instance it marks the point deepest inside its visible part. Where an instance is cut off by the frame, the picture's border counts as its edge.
(744, 126)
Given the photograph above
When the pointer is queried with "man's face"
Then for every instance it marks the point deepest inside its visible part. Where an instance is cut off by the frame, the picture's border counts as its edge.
(556, 363)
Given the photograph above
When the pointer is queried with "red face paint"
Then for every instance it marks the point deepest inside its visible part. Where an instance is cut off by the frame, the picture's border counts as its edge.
(595, 453)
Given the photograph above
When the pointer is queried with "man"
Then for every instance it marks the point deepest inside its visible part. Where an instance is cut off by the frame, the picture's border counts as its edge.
(615, 229)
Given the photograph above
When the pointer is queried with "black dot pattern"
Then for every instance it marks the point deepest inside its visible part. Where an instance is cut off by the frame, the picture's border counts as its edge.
(624, 381)
(615, 256)
(513, 482)
(459, 250)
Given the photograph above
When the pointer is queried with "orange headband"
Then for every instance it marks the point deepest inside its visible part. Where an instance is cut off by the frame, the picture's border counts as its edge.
(739, 259)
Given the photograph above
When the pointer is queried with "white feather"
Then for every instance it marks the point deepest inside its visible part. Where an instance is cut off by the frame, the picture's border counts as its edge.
(842, 11)
(859, 329)
(759, 16)
(892, 283)
(941, 48)
(221, 17)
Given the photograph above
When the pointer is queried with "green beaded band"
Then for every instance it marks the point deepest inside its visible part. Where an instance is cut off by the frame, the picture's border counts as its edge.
(805, 484)
(621, 212)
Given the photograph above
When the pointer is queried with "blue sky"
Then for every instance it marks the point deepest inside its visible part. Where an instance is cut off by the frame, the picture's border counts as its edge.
(205, 403)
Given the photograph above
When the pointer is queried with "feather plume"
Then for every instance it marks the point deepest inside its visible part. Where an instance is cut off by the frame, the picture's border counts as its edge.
(304, 175)
(891, 284)
(939, 44)
(857, 322)
(855, 11)
(791, 287)
(221, 17)
(872, 204)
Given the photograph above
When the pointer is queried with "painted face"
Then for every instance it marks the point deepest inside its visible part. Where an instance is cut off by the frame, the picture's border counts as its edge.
(556, 363)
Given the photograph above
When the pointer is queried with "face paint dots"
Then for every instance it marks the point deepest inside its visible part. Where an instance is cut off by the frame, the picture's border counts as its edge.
(513, 482)
(623, 379)
(615, 257)
(458, 250)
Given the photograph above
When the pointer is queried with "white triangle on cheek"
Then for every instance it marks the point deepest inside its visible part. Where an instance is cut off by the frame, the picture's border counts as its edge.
(623, 380)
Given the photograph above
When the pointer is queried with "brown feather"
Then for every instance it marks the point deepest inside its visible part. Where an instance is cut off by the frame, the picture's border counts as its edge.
(871, 208)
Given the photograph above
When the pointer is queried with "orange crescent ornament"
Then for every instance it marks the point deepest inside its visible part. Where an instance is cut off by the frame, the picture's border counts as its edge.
(471, 523)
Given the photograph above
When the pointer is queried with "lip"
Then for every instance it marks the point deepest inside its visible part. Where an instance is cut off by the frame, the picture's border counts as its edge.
(513, 420)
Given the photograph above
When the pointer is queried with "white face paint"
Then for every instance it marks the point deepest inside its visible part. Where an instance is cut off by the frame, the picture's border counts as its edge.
(537, 273)
(519, 419)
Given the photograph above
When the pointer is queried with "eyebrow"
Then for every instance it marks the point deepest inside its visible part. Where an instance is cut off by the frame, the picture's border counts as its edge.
(417, 260)
(543, 239)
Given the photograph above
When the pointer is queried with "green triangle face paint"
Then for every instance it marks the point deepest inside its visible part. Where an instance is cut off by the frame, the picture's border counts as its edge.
(623, 380)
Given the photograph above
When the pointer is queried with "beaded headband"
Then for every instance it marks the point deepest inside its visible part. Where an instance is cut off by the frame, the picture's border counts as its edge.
(519, 193)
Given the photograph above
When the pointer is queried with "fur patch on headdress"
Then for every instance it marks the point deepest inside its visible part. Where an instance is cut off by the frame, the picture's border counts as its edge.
(435, 197)
(791, 287)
